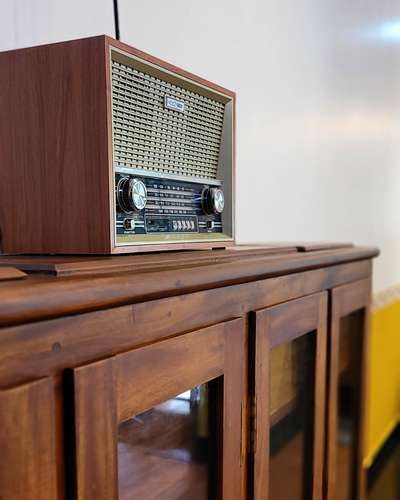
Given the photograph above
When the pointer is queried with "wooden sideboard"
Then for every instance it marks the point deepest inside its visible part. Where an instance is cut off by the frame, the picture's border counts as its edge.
(230, 374)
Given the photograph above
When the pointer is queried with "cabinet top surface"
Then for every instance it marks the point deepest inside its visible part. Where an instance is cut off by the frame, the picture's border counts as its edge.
(57, 285)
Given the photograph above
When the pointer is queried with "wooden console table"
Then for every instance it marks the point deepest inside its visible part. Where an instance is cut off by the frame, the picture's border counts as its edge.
(230, 374)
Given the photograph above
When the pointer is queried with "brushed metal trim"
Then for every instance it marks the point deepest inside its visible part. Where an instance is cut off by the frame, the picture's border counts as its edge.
(171, 238)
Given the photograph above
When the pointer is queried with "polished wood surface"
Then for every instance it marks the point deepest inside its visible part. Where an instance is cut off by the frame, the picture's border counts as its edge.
(74, 266)
(42, 297)
(313, 247)
(11, 273)
(45, 347)
(56, 156)
(27, 442)
(114, 340)
(275, 326)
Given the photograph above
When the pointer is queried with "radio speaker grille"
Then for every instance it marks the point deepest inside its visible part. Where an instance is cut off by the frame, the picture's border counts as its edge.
(149, 136)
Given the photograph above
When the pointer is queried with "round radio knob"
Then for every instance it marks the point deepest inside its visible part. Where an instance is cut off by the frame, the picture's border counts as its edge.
(131, 194)
(213, 201)
(138, 194)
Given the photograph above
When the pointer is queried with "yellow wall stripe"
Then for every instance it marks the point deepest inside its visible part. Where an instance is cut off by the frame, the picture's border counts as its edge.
(383, 407)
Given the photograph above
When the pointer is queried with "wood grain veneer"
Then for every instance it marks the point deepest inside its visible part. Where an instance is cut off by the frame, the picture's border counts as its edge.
(52, 297)
(27, 442)
(55, 162)
(74, 266)
(44, 347)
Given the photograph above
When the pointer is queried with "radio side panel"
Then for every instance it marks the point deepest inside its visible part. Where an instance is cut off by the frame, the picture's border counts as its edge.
(54, 149)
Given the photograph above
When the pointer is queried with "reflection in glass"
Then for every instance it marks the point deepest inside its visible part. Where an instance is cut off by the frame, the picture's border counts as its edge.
(170, 451)
(292, 373)
(350, 352)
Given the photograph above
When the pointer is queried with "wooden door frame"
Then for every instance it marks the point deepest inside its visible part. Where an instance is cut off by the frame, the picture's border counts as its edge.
(27, 442)
(274, 326)
(345, 300)
(110, 391)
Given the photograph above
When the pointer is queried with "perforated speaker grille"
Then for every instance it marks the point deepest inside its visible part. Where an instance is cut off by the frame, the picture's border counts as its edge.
(149, 136)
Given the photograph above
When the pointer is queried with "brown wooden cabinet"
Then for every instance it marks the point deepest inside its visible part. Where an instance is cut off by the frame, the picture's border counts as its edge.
(232, 374)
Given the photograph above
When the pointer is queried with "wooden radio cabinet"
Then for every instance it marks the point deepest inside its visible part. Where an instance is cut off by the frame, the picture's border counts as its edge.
(229, 374)
(140, 152)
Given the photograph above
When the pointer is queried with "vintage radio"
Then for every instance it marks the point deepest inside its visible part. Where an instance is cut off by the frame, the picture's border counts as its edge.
(105, 149)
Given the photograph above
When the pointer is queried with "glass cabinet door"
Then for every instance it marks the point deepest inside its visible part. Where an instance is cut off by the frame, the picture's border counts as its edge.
(290, 353)
(348, 348)
(163, 421)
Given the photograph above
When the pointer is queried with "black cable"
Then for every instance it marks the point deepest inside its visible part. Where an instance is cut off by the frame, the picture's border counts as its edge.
(116, 19)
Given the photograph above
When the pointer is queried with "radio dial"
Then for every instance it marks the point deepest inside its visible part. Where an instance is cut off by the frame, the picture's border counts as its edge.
(213, 201)
(131, 195)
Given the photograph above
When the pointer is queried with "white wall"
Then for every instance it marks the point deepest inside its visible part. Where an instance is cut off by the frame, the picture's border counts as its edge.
(33, 22)
(318, 85)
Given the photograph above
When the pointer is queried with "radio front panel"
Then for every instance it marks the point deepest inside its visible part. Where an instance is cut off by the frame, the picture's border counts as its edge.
(172, 156)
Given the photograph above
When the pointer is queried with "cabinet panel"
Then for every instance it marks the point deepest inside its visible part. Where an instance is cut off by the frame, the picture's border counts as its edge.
(163, 421)
(27, 442)
(348, 347)
(289, 392)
